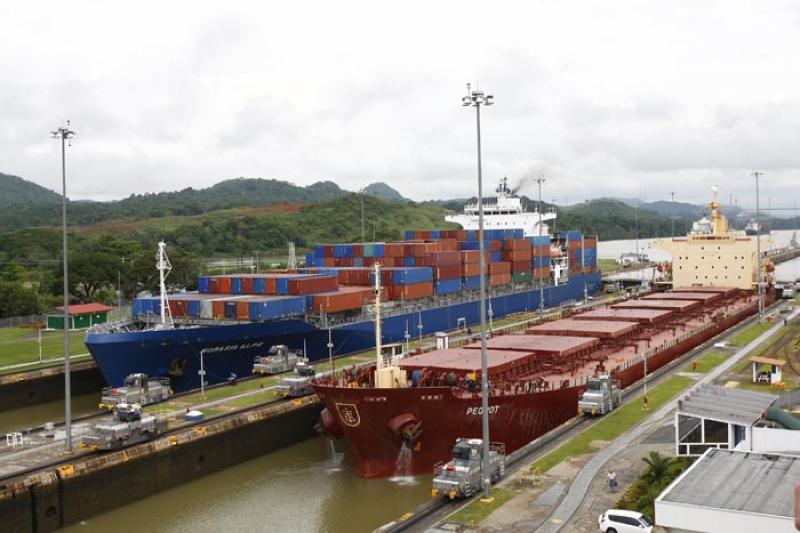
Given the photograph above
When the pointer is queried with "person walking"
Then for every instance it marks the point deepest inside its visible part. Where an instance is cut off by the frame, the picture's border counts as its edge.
(612, 481)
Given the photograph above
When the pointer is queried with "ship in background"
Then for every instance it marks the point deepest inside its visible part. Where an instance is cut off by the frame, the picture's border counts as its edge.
(504, 211)
(402, 415)
(755, 228)
(431, 283)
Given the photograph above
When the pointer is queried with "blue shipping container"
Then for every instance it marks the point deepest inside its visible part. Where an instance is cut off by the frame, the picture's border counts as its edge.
(495, 257)
(194, 308)
(468, 245)
(202, 284)
(236, 285)
(230, 309)
(436, 234)
(379, 250)
(411, 275)
(408, 261)
(472, 283)
(447, 286)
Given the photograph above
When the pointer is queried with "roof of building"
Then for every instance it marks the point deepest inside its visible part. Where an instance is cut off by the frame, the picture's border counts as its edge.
(675, 305)
(625, 315)
(85, 309)
(726, 405)
(560, 345)
(767, 360)
(747, 482)
(585, 328)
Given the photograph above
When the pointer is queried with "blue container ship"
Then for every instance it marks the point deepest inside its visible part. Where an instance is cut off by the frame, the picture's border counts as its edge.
(234, 319)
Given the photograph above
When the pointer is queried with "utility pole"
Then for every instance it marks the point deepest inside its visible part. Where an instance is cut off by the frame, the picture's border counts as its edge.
(363, 237)
(65, 135)
(476, 99)
(756, 174)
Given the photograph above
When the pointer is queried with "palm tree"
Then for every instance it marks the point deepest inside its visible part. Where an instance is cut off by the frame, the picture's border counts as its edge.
(657, 468)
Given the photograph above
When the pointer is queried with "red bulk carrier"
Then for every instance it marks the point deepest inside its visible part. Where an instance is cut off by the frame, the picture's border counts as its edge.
(420, 405)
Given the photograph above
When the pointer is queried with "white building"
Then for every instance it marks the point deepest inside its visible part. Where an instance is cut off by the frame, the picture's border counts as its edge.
(732, 492)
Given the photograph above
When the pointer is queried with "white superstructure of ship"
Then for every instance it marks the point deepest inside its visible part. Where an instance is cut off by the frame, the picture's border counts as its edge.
(503, 211)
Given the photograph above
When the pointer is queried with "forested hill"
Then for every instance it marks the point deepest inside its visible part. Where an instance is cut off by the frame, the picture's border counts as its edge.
(15, 190)
(43, 208)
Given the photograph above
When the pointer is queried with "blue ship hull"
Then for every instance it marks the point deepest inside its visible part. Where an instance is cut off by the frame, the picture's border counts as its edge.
(231, 347)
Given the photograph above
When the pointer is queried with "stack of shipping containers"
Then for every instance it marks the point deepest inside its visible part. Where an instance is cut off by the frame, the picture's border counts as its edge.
(339, 277)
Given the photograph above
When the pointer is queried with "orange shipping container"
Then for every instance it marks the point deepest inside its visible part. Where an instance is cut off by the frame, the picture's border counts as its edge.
(503, 267)
(243, 310)
(448, 245)
(218, 308)
(516, 244)
(410, 292)
(499, 279)
(474, 269)
(517, 255)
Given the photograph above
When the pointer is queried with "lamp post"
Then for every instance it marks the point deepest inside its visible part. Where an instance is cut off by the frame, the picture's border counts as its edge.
(477, 99)
(673, 213)
(65, 135)
(756, 174)
(539, 181)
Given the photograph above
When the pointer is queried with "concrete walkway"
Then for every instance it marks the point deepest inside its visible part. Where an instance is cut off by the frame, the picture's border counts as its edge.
(580, 485)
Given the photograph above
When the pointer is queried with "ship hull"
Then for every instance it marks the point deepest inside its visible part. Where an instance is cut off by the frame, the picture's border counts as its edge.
(227, 348)
(368, 418)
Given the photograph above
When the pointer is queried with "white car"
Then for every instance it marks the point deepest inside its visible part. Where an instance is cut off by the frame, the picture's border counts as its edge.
(619, 521)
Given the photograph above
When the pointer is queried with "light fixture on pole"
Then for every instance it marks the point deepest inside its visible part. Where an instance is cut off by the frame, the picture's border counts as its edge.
(65, 135)
(756, 174)
(539, 181)
(477, 99)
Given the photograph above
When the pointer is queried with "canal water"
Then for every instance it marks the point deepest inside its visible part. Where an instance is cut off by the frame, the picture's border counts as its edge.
(38, 415)
(305, 487)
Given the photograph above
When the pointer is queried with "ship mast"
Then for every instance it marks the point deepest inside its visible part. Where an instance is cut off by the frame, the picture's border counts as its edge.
(164, 267)
(378, 334)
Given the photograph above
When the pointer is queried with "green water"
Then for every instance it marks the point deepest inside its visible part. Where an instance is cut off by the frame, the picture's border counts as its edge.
(37, 415)
(305, 487)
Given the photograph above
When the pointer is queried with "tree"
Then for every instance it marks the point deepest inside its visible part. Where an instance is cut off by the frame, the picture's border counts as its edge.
(16, 300)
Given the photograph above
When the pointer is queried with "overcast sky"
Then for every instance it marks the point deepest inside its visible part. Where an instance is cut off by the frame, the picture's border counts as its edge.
(632, 99)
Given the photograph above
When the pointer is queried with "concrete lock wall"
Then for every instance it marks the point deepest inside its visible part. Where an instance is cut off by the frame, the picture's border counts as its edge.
(104, 482)
(27, 391)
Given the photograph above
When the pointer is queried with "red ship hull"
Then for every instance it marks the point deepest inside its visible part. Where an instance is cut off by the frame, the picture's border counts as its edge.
(376, 422)
(367, 418)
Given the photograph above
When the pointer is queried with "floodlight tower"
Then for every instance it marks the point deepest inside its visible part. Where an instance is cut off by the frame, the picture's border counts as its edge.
(477, 99)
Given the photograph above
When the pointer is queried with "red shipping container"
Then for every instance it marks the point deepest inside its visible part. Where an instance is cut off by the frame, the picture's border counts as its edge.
(445, 258)
(175, 308)
(521, 266)
(218, 308)
(590, 243)
(541, 251)
(313, 285)
(224, 285)
(516, 244)
(541, 273)
(517, 255)
(346, 299)
(503, 267)
(410, 292)
(499, 279)
(573, 244)
(247, 285)
(447, 272)
(495, 246)
(470, 256)
(358, 250)
(370, 261)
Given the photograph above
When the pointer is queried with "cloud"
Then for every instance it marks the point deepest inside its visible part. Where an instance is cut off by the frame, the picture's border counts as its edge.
(621, 99)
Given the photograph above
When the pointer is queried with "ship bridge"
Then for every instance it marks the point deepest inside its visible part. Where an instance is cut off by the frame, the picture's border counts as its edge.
(503, 211)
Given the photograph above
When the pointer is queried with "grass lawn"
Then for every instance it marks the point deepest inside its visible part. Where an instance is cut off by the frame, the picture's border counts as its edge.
(615, 424)
(21, 345)
(707, 362)
(607, 265)
(477, 510)
(751, 333)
